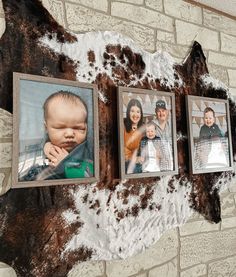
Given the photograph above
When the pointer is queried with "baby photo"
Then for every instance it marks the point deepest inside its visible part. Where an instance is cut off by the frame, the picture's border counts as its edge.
(56, 131)
(210, 134)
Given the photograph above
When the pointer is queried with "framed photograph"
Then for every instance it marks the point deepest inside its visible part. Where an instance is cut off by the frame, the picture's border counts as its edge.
(55, 127)
(209, 133)
(147, 133)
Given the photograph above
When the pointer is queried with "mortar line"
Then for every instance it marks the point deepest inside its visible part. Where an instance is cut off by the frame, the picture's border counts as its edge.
(178, 253)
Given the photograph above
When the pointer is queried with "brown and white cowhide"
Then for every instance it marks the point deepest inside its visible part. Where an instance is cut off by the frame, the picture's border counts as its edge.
(46, 230)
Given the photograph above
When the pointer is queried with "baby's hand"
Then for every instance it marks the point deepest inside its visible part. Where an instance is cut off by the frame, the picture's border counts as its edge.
(140, 160)
(54, 153)
(158, 155)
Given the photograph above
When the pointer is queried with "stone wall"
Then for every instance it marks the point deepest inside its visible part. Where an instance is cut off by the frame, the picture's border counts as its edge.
(199, 248)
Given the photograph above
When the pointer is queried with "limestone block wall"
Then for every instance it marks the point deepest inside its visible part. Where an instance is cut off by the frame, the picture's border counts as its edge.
(199, 248)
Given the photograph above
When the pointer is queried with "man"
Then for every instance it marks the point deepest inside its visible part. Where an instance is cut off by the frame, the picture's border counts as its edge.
(163, 130)
(161, 120)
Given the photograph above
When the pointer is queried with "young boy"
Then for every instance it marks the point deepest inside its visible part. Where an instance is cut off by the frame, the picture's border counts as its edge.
(150, 147)
(65, 120)
(210, 128)
(210, 151)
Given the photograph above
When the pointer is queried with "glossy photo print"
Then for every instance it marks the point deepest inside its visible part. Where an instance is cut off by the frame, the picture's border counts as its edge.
(146, 131)
(209, 134)
(55, 131)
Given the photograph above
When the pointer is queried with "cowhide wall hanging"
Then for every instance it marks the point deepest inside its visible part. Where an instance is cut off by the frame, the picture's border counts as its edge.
(46, 230)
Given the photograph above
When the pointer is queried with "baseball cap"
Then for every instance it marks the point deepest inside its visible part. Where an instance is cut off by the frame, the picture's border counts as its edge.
(161, 104)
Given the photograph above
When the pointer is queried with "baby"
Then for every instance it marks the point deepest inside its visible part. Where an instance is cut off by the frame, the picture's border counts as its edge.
(150, 147)
(210, 128)
(65, 119)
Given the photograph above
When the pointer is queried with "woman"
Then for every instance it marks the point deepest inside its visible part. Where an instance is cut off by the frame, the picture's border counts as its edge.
(132, 135)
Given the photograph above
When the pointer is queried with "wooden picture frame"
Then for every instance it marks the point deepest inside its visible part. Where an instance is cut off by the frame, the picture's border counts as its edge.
(145, 150)
(209, 133)
(55, 139)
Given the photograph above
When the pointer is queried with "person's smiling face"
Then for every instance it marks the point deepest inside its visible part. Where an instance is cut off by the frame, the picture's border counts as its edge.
(66, 123)
(151, 131)
(209, 119)
(135, 114)
(162, 114)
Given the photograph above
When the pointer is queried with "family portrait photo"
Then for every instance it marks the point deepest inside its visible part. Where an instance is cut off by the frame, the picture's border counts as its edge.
(55, 131)
(147, 131)
(209, 134)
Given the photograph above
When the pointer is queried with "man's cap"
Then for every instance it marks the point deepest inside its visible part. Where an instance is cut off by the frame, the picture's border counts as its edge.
(161, 104)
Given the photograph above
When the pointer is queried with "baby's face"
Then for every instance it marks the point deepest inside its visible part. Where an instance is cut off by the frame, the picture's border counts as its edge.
(150, 131)
(66, 123)
(209, 119)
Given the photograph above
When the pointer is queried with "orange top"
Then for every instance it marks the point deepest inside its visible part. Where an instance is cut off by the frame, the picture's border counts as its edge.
(131, 142)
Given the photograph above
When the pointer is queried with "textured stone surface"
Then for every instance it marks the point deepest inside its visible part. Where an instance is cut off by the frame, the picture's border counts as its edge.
(5, 150)
(5, 154)
(196, 271)
(232, 187)
(5, 181)
(5, 125)
(165, 36)
(142, 16)
(219, 22)
(1, 10)
(232, 76)
(2, 177)
(140, 275)
(198, 227)
(222, 59)
(205, 247)
(187, 33)
(2, 26)
(55, 7)
(183, 10)
(176, 51)
(224, 268)
(233, 92)
(228, 204)
(94, 4)
(228, 43)
(87, 269)
(219, 73)
(81, 19)
(167, 270)
(228, 223)
(136, 2)
(154, 4)
(164, 250)
(6, 270)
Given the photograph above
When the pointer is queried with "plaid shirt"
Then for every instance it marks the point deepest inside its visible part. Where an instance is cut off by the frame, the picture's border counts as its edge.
(162, 148)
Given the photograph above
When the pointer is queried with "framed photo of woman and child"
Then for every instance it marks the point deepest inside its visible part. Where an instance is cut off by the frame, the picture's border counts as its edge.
(210, 145)
(55, 127)
(147, 133)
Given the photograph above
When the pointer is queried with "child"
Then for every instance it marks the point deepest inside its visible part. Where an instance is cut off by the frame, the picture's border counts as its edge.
(210, 128)
(65, 116)
(65, 120)
(150, 148)
(211, 152)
